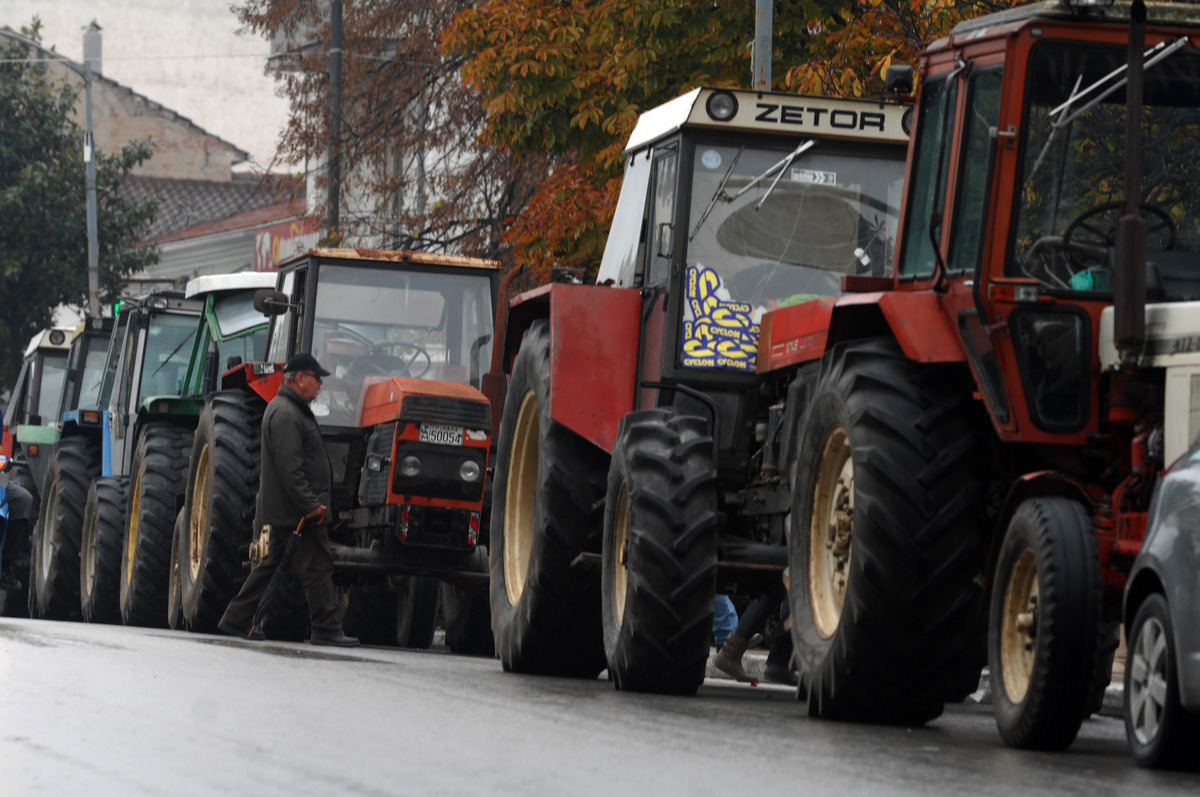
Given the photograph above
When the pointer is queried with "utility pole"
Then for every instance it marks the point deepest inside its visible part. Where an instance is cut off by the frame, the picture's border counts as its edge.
(760, 55)
(89, 158)
(335, 116)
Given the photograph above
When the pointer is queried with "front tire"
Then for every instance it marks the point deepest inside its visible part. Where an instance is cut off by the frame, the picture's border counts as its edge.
(219, 506)
(546, 510)
(416, 611)
(1044, 625)
(660, 553)
(885, 542)
(100, 562)
(467, 621)
(156, 480)
(57, 537)
(1161, 732)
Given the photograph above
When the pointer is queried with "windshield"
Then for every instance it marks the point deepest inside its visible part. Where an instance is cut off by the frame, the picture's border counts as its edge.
(235, 313)
(373, 324)
(168, 353)
(1073, 176)
(54, 376)
(93, 373)
(780, 236)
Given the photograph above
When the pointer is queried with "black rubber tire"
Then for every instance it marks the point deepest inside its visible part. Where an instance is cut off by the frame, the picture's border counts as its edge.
(467, 621)
(903, 636)
(174, 593)
(370, 612)
(1040, 700)
(57, 537)
(659, 572)
(1174, 741)
(222, 484)
(547, 620)
(100, 557)
(156, 482)
(416, 608)
(1106, 654)
(18, 553)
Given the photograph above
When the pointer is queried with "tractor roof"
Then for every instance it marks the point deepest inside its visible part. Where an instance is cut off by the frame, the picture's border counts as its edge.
(397, 256)
(50, 339)
(1156, 13)
(212, 283)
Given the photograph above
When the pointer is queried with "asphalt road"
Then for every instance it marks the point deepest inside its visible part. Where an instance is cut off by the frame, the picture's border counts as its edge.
(113, 710)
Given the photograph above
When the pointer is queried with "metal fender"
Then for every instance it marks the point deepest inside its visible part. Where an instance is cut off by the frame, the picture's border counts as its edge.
(916, 318)
(593, 358)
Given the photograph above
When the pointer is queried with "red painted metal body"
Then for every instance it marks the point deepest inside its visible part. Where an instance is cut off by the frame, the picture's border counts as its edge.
(264, 379)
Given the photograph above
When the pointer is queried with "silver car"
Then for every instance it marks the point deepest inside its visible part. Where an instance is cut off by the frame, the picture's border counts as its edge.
(1162, 625)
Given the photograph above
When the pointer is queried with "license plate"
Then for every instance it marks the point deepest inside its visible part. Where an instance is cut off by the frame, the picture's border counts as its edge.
(442, 435)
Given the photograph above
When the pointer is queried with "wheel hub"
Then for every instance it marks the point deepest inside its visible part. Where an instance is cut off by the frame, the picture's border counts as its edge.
(198, 516)
(1148, 681)
(831, 534)
(620, 567)
(519, 498)
(1019, 627)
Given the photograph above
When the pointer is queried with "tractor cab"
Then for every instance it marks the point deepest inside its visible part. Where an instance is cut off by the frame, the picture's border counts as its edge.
(736, 203)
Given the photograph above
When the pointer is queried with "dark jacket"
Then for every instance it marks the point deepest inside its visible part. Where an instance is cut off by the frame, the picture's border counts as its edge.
(296, 472)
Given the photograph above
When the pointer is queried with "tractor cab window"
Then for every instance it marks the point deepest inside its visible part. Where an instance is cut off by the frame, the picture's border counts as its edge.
(235, 315)
(626, 245)
(662, 217)
(116, 349)
(1072, 180)
(769, 227)
(281, 325)
(373, 324)
(168, 353)
(54, 377)
(922, 228)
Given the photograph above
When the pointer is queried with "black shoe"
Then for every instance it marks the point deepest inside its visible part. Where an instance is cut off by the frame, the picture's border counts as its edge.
(779, 674)
(339, 641)
(254, 634)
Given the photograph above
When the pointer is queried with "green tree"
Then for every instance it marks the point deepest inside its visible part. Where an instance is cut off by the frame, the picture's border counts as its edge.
(43, 237)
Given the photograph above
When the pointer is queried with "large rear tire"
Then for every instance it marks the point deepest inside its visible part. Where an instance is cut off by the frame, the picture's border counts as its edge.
(1160, 730)
(157, 479)
(886, 537)
(1044, 629)
(467, 621)
(370, 612)
(660, 553)
(219, 506)
(100, 561)
(546, 510)
(57, 537)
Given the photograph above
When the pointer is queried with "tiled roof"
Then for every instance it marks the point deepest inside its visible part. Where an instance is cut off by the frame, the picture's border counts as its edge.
(187, 203)
(281, 211)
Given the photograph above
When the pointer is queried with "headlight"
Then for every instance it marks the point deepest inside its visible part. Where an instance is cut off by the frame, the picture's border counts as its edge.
(469, 470)
(721, 106)
(410, 466)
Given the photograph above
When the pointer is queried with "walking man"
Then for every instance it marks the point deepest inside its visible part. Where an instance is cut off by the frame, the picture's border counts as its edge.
(295, 483)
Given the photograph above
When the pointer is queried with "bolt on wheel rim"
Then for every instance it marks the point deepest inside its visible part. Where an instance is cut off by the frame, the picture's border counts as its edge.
(620, 564)
(830, 534)
(198, 516)
(1019, 627)
(518, 498)
(1148, 681)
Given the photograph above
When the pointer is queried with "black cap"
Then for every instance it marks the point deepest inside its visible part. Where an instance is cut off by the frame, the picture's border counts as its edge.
(304, 362)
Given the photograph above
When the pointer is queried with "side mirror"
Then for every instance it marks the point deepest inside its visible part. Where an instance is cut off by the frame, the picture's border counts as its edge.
(898, 80)
(271, 302)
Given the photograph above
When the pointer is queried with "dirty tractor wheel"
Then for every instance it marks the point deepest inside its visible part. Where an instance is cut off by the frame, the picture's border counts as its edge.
(885, 539)
(546, 510)
(416, 611)
(1160, 730)
(57, 536)
(100, 560)
(174, 595)
(219, 506)
(1044, 629)
(659, 567)
(156, 479)
(467, 621)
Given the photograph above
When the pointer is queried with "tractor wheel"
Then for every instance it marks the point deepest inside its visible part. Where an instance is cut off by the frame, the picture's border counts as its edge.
(885, 542)
(416, 605)
(660, 553)
(219, 506)
(73, 463)
(1106, 654)
(1044, 628)
(100, 560)
(174, 595)
(1161, 732)
(467, 621)
(546, 510)
(370, 612)
(157, 477)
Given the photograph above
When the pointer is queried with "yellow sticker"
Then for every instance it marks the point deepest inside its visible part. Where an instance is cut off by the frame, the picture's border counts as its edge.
(716, 333)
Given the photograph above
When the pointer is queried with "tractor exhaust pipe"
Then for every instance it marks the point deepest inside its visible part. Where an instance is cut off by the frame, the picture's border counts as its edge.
(1129, 281)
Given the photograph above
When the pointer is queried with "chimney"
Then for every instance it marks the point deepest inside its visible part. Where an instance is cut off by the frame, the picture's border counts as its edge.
(92, 47)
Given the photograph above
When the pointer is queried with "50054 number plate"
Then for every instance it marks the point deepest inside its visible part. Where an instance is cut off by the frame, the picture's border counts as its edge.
(442, 435)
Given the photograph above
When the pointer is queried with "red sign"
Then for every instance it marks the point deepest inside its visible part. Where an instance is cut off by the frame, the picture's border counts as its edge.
(278, 242)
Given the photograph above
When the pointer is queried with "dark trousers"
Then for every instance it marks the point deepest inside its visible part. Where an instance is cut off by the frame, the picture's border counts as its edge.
(312, 563)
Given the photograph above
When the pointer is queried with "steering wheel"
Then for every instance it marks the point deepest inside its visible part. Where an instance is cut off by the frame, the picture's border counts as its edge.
(1082, 233)
(379, 362)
